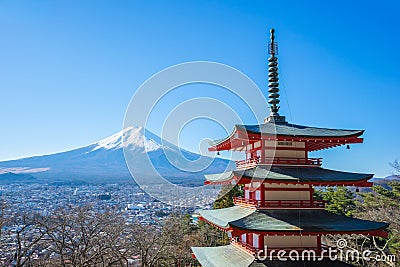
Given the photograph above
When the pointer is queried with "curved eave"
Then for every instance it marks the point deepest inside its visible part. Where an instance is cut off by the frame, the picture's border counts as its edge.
(306, 222)
(227, 256)
(233, 256)
(241, 220)
(301, 175)
(224, 143)
(221, 178)
(241, 135)
(356, 133)
(221, 218)
(380, 232)
(294, 130)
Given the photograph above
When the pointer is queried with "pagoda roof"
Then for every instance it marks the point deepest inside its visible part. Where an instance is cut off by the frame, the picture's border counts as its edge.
(222, 217)
(289, 129)
(232, 256)
(228, 256)
(312, 175)
(286, 130)
(289, 221)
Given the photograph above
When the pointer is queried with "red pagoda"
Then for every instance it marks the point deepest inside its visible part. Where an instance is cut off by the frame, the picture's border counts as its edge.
(278, 177)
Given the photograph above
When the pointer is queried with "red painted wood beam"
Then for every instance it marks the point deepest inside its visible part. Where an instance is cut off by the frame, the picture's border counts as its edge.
(246, 180)
(238, 232)
(281, 189)
(379, 232)
(361, 183)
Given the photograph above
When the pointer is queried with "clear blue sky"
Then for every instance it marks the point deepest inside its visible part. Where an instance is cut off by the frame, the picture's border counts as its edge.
(69, 68)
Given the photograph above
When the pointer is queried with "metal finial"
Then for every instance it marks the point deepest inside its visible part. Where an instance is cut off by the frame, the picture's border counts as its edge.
(272, 31)
(272, 46)
(273, 76)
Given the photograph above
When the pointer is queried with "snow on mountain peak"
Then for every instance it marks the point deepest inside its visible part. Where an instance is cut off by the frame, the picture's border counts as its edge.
(132, 137)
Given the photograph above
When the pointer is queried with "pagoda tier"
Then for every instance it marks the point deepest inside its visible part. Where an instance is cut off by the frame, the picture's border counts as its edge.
(316, 176)
(312, 138)
(285, 187)
(253, 230)
(285, 222)
(234, 256)
(283, 144)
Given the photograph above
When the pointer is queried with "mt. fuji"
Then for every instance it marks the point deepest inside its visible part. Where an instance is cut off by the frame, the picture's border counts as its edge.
(104, 161)
(133, 136)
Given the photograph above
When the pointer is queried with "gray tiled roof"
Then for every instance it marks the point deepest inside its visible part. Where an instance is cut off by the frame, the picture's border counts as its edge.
(222, 256)
(222, 217)
(305, 220)
(288, 220)
(301, 174)
(291, 130)
(231, 256)
(298, 130)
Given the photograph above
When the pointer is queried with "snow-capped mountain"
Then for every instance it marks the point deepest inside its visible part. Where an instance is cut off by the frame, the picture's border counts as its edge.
(104, 160)
(130, 136)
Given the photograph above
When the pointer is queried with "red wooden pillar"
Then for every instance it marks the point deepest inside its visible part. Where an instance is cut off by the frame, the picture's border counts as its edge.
(249, 239)
(252, 193)
(306, 151)
(319, 243)
(262, 188)
(261, 241)
(262, 160)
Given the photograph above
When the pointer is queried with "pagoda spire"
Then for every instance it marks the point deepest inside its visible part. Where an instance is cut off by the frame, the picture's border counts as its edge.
(273, 84)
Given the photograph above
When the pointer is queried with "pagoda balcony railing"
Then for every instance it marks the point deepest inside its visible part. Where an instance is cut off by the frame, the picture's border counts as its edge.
(249, 163)
(260, 251)
(279, 204)
(244, 246)
(318, 251)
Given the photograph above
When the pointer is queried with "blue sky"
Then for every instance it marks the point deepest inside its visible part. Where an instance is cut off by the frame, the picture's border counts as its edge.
(69, 68)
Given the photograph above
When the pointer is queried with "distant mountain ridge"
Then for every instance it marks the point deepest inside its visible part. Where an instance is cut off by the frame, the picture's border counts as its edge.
(10, 177)
(385, 179)
(384, 182)
(104, 161)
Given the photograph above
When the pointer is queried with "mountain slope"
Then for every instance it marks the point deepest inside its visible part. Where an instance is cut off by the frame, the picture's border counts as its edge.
(104, 160)
(11, 177)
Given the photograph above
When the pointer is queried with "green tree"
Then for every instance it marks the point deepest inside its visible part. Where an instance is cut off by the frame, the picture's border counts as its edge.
(318, 193)
(340, 200)
(226, 196)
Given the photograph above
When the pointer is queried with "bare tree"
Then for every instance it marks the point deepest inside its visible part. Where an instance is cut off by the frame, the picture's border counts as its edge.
(383, 204)
(28, 238)
(396, 166)
(181, 234)
(82, 237)
(149, 242)
(4, 218)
